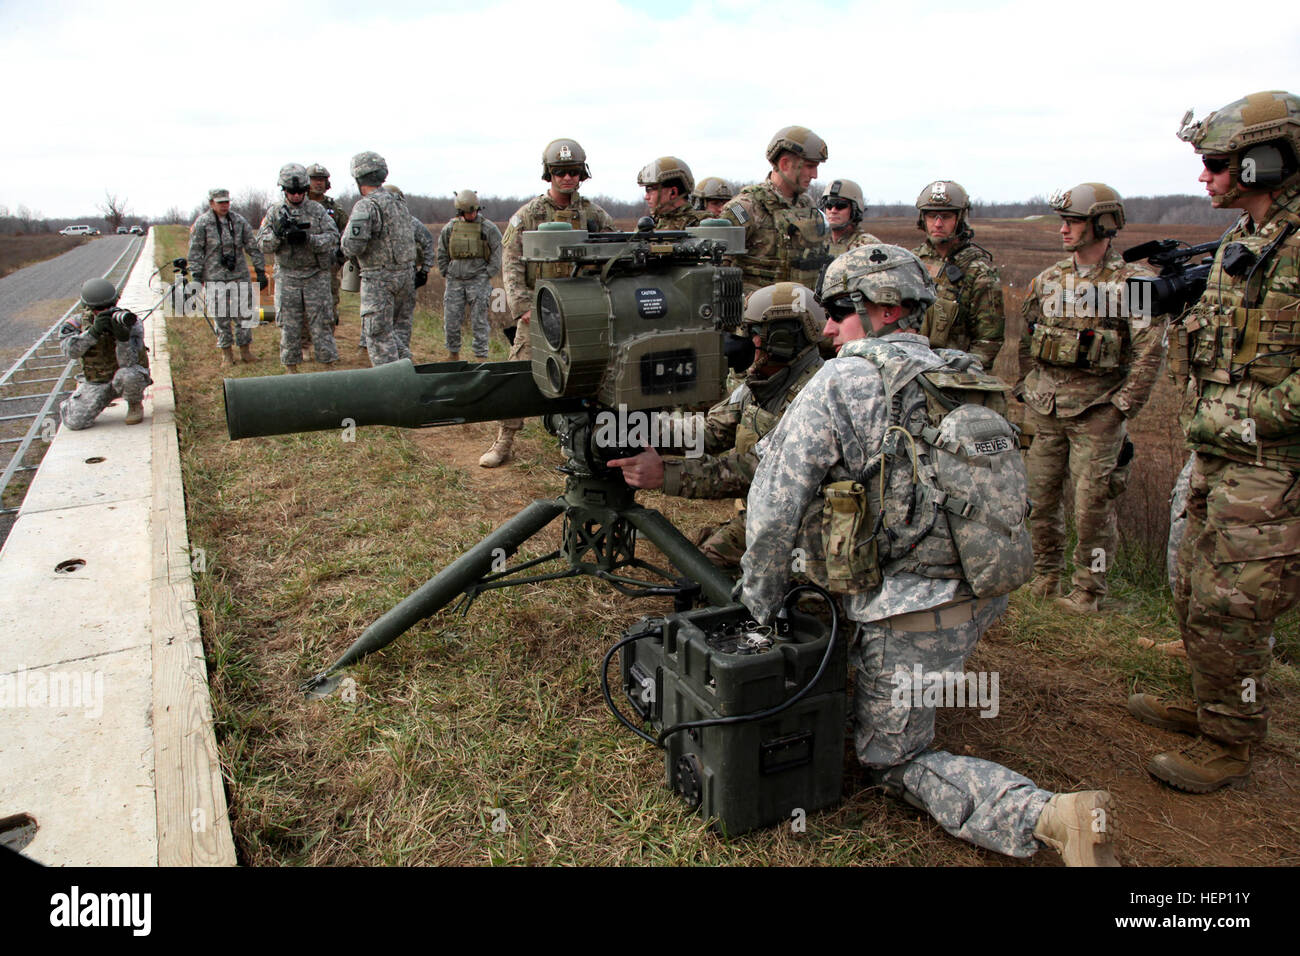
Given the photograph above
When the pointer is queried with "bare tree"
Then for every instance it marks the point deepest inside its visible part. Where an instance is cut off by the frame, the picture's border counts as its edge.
(114, 209)
(252, 205)
(28, 219)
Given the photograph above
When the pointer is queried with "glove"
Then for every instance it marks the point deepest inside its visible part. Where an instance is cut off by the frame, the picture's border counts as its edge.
(421, 277)
(103, 324)
(262, 282)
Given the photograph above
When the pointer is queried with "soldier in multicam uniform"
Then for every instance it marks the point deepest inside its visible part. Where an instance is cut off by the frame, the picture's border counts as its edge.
(845, 206)
(1090, 366)
(218, 240)
(1237, 351)
(710, 195)
(919, 617)
(785, 323)
(318, 183)
(564, 166)
(380, 237)
(469, 255)
(668, 183)
(110, 343)
(785, 236)
(304, 240)
(967, 314)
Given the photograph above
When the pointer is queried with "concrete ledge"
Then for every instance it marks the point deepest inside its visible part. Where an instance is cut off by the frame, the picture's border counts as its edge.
(105, 716)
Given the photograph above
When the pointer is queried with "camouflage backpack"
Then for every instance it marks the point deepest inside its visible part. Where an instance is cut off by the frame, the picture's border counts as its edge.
(950, 443)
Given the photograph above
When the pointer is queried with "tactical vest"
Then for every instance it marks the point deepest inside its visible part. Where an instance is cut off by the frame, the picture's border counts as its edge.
(758, 418)
(99, 365)
(798, 244)
(952, 298)
(679, 218)
(1238, 342)
(947, 494)
(466, 240)
(1070, 333)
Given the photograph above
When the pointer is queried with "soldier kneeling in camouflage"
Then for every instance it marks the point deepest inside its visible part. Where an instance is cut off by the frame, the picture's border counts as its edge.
(785, 323)
(110, 343)
(922, 578)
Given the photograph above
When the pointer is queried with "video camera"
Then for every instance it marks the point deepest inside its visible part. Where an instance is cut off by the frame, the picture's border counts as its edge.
(1180, 282)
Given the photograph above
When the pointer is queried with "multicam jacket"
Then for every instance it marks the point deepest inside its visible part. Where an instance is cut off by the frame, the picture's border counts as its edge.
(1238, 348)
(1080, 348)
(967, 314)
(786, 240)
(679, 218)
(520, 277)
(857, 236)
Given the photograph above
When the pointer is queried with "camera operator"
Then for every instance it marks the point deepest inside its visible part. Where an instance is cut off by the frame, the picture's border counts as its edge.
(304, 240)
(1237, 353)
(218, 240)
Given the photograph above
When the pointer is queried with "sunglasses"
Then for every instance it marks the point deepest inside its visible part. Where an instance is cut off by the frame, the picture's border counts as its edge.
(840, 307)
(570, 171)
(838, 204)
(295, 192)
(1216, 164)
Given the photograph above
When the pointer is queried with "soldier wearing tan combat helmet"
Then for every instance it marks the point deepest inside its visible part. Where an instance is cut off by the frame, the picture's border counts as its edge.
(1087, 366)
(710, 195)
(668, 183)
(967, 315)
(785, 236)
(564, 167)
(469, 255)
(844, 206)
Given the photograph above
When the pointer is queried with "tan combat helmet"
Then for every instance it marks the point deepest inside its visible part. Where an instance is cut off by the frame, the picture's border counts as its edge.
(849, 190)
(1260, 136)
(710, 187)
(467, 201)
(564, 152)
(771, 311)
(317, 171)
(1097, 203)
(944, 195)
(883, 274)
(799, 140)
(667, 171)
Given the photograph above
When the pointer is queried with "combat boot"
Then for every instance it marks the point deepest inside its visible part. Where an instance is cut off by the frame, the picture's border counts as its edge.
(1176, 715)
(1080, 827)
(246, 355)
(227, 357)
(1080, 602)
(1044, 585)
(1202, 766)
(499, 453)
(134, 413)
(291, 369)
(453, 356)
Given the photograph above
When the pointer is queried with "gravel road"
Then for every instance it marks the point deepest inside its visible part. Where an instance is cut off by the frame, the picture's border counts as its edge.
(32, 298)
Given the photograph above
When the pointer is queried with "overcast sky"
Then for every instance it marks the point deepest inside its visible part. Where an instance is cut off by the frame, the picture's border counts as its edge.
(158, 101)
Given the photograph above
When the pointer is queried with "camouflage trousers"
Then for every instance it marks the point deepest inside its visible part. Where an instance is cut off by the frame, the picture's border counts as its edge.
(387, 311)
(724, 546)
(82, 407)
(975, 800)
(477, 294)
(1238, 570)
(1178, 520)
(228, 303)
(1083, 453)
(305, 302)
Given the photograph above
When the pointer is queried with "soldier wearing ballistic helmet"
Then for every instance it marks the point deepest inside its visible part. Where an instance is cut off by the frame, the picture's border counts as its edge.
(469, 255)
(710, 195)
(845, 206)
(114, 361)
(318, 184)
(218, 240)
(967, 314)
(920, 615)
(564, 166)
(785, 237)
(1087, 366)
(1236, 354)
(303, 239)
(380, 237)
(785, 325)
(668, 183)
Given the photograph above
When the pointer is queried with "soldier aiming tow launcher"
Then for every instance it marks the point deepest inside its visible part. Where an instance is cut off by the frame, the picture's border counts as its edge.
(643, 328)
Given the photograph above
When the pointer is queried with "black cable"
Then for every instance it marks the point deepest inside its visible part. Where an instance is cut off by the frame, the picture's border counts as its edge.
(604, 686)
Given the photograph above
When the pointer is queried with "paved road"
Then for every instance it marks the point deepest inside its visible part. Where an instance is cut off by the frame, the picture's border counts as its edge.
(32, 298)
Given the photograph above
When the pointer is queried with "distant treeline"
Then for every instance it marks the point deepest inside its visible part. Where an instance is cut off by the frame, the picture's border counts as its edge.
(252, 204)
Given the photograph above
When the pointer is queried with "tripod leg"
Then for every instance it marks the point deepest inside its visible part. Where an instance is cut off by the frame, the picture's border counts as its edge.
(715, 585)
(443, 587)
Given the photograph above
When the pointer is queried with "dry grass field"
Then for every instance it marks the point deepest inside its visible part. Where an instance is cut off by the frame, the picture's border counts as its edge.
(17, 252)
(497, 716)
